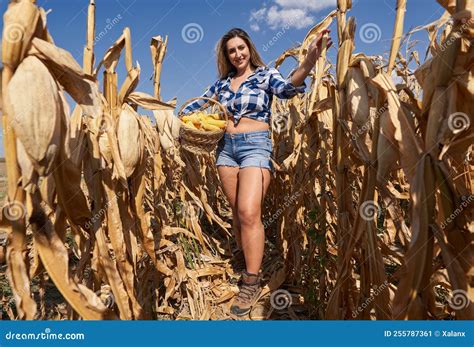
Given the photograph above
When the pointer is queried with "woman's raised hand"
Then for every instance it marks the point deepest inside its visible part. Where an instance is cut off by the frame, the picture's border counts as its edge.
(315, 48)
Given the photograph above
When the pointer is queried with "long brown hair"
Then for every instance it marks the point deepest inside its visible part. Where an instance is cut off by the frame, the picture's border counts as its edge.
(224, 66)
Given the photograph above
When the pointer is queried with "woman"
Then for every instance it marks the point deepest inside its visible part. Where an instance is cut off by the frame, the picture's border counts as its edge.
(246, 88)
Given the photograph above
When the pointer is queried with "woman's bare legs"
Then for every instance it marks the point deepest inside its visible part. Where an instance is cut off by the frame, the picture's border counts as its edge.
(244, 191)
(253, 184)
(229, 176)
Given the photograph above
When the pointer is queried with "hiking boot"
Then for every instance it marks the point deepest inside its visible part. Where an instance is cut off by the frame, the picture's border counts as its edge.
(249, 291)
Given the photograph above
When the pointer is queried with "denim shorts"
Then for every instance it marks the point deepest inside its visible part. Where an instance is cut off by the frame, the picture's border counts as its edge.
(251, 149)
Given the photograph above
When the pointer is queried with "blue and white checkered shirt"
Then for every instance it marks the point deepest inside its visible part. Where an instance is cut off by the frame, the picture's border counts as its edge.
(254, 97)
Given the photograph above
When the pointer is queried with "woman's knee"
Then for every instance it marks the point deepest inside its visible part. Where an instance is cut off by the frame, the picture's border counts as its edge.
(249, 216)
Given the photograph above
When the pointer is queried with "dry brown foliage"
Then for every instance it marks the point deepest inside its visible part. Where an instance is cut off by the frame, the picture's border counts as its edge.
(369, 215)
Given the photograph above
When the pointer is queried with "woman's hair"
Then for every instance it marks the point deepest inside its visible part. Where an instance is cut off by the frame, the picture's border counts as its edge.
(224, 66)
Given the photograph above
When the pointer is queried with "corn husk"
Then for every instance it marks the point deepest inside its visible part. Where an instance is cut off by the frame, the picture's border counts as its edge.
(369, 202)
(129, 140)
(36, 122)
(357, 97)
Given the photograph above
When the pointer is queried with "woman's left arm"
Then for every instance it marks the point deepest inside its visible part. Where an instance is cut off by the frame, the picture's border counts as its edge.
(314, 51)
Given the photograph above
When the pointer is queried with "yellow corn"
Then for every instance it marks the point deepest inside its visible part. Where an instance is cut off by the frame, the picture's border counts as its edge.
(218, 123)
(207, 126)
(190, 124)
(193, 118)
(214, 116)
(201, 120)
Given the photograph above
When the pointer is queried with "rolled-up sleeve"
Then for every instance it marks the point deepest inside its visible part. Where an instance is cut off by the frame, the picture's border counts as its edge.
(209, 93)
(283, 88)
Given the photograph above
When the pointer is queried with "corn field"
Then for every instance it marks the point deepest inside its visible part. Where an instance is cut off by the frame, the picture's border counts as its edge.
(369, 215)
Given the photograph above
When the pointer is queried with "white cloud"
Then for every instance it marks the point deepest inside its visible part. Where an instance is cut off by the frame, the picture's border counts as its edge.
(292, 17)
(257, 14)
(255, 26)
(288, 13)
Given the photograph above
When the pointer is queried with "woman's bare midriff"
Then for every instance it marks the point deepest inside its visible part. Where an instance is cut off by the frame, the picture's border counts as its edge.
(246, 125)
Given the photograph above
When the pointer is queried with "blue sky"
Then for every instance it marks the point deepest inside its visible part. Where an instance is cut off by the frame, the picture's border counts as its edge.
(189, 65)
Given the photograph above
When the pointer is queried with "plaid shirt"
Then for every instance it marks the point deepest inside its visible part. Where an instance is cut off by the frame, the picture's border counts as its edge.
(254, 97)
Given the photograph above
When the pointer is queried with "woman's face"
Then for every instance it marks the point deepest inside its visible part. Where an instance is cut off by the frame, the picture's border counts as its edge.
(238, 53)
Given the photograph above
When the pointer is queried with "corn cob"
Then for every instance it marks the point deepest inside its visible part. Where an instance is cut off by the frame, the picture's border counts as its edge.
(208, 126)
(192, 118)
(190, 124)
(200, 120)
(218, 123)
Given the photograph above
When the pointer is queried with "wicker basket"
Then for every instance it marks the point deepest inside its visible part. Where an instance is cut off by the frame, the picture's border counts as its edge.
(200, 141)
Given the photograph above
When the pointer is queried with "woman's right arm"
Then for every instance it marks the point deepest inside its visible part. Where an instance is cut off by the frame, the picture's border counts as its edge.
(314, 51)
(210, 93)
